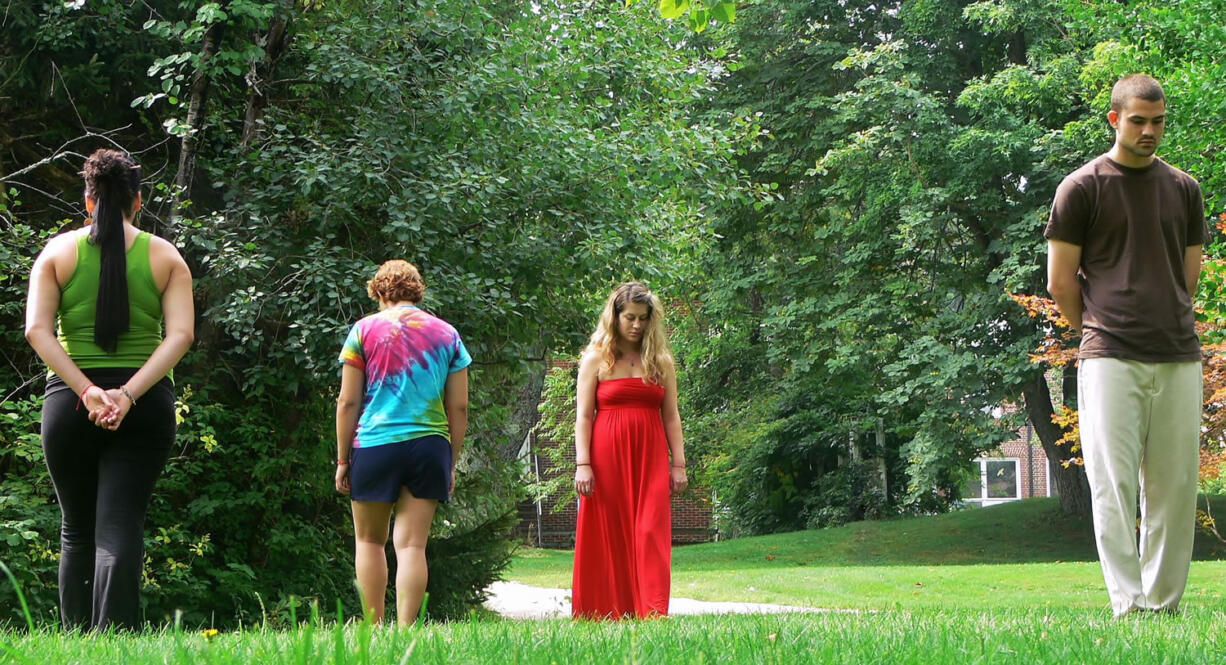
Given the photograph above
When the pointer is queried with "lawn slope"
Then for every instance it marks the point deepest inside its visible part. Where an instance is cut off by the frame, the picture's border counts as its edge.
(1015, 554)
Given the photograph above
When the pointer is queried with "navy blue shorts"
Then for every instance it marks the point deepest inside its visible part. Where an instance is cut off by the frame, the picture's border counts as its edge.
(423, 465)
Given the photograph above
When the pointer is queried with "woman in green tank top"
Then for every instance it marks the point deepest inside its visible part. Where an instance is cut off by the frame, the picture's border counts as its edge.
(110, 312)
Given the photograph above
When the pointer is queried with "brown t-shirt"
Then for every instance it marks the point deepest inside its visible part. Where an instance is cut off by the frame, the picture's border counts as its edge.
(1133, 226)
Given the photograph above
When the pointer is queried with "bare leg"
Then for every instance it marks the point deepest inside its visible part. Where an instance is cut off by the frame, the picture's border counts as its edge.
(370, 526)
(413, 518)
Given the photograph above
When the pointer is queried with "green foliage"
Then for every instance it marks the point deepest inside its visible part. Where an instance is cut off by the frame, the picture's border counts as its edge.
(848, 494)
(217, 533)
(909, 158)
(555, 434)
(29, 521)
(1175, 44)
(1216, 485)
(847, 301)
(462, 567)
(699, 15)
(185, 29)
(786, 467)
(523, 157)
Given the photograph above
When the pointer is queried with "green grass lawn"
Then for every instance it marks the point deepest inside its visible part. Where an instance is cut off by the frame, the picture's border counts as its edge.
(897, 637)
(1016, 583)
(1018, 554)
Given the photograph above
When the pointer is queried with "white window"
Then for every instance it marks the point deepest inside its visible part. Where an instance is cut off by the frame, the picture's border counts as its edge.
(998, 482)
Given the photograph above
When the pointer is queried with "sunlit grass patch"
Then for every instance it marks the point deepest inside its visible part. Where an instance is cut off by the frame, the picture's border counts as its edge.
(1024, 553)
(1027, 636)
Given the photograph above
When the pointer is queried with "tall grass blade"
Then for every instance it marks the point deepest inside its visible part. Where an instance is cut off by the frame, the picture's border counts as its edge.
(408, 653)
(364, 630)
(338, 635)
(263, 611)
(12, 652)
(421, 614)
(21, 597)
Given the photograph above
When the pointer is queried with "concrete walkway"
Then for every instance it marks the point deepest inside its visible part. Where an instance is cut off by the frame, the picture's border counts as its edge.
(520, 601)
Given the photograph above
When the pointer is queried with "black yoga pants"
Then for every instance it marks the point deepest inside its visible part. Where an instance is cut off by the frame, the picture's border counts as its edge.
(104, 481)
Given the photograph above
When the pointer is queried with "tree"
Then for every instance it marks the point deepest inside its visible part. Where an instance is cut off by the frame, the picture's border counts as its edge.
(522, 156)
(908, 156)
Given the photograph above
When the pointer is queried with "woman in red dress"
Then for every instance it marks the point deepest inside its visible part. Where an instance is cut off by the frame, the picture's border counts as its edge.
(629, 457)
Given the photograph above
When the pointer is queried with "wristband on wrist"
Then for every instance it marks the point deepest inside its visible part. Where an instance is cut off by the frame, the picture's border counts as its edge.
(583, 463)
(128, 394)
(342, 462)
(81, 395)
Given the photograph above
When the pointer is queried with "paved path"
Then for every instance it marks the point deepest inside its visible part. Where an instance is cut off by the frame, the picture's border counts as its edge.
(520, 601)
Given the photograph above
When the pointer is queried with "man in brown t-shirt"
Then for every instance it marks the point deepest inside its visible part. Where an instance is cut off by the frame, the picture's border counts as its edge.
(1124, 254)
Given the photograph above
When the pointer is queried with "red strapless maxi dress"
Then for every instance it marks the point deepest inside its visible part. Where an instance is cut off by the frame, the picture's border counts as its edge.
(623, 540)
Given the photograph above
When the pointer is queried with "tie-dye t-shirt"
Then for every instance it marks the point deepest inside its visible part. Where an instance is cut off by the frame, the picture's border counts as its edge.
(407, 355)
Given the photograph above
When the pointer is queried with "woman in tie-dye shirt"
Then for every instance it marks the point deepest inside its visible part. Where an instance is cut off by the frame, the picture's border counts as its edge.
(400, 423)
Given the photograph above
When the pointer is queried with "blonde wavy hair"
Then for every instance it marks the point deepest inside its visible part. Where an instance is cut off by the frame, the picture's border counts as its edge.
(657, 359)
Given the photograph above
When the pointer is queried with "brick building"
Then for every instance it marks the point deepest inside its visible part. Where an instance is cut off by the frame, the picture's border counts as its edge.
(1019, 469)
(548, 524)
(543, 526)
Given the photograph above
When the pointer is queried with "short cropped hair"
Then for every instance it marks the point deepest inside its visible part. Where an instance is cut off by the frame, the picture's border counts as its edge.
(1135, 86)
(396, 281)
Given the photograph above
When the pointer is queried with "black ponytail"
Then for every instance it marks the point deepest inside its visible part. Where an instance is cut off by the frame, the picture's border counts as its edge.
(112, 180)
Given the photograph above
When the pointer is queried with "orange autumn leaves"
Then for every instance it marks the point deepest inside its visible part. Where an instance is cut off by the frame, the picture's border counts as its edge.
(1057, 349)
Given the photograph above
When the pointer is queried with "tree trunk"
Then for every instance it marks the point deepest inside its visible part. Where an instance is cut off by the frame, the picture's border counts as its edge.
(1071, 481)
(195, 122)
(1018, 48)
(1068, 386)
(525, 413)
(260, 76)
(882, 474)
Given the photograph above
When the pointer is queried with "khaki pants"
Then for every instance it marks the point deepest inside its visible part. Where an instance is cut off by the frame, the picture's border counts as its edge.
(1140, 430)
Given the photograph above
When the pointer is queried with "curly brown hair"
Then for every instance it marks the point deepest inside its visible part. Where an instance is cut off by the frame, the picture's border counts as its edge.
(112, 176)
(396, 281)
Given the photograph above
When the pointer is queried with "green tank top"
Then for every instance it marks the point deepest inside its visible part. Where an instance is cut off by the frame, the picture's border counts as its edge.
(78, 304)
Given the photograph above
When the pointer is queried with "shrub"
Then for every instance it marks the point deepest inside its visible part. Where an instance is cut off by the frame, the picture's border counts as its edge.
(29, 518)
(848, 494)
(244, 522)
